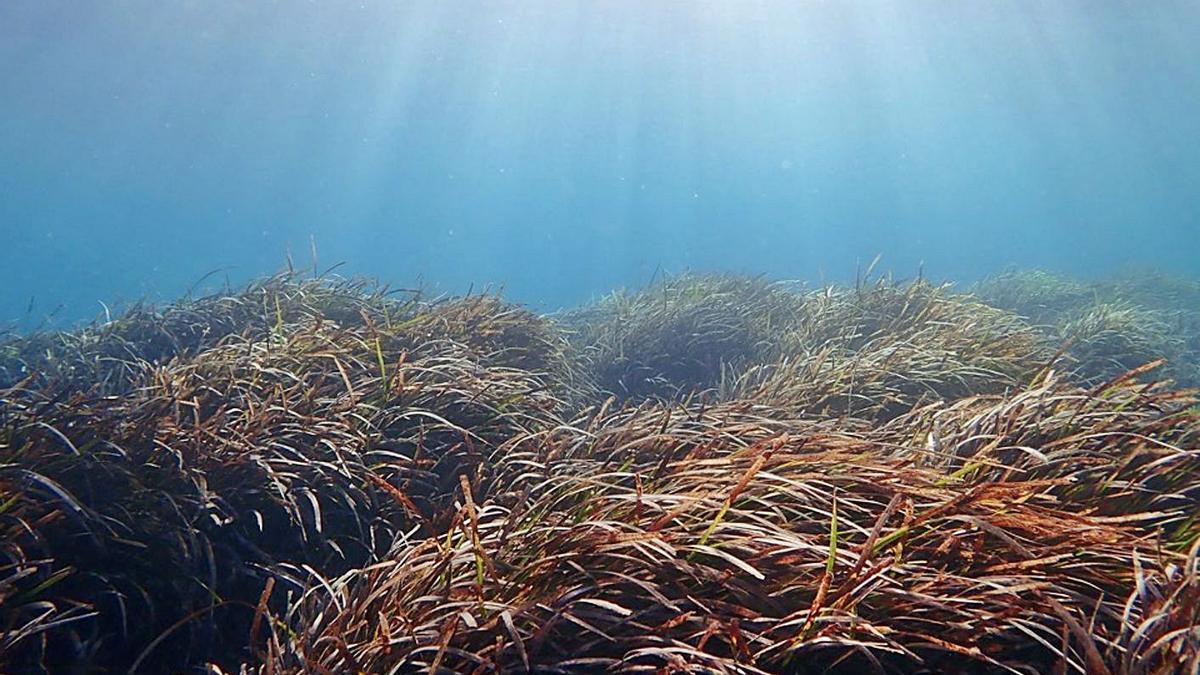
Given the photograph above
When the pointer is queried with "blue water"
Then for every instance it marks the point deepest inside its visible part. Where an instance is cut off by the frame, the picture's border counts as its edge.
(560, 149)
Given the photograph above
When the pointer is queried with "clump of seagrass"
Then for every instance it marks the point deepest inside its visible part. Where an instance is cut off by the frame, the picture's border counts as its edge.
(504, 335)
(102, 548)
(716, 542)
(30, 605)
(1156, 290)
(112, 356)
(1108, 339)
(682, 335)
(878, 350)
(1110, 326)
(153, 520)
(1040, 296)
(1124, 447)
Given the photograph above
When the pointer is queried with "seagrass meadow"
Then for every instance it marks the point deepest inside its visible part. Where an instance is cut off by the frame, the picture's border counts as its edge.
(713, 474)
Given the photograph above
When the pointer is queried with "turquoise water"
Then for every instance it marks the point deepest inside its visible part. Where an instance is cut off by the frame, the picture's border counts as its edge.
(561, 149)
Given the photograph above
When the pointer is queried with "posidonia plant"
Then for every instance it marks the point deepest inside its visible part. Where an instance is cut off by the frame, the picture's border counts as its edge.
(716, 474)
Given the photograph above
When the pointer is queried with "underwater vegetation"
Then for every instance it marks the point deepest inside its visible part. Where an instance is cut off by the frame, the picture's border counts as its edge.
(711, 474)
(1111, 325)
(683, 335)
